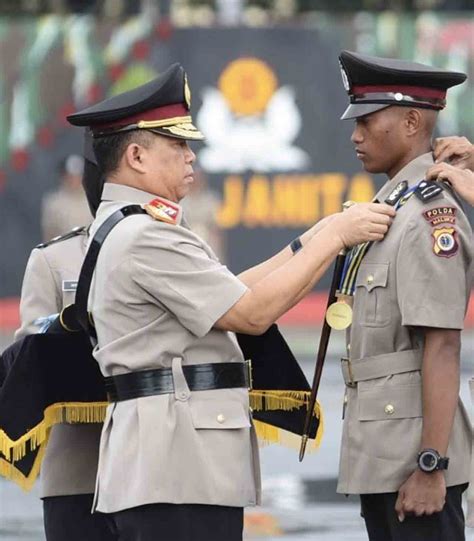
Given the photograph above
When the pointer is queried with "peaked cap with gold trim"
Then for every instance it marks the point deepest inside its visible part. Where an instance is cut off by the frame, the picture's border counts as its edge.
(374, 83)
(161, 105)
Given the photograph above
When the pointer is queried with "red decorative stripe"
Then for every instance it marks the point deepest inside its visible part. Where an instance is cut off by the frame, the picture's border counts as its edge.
(160, 113)
(419, 91)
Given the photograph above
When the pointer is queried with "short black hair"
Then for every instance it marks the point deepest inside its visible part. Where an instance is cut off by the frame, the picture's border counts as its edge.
(109, 149)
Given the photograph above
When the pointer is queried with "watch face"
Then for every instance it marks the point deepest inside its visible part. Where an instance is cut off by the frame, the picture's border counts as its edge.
(428, 461)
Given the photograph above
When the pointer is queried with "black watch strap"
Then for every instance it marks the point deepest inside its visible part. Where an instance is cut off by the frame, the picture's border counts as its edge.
(443, 463)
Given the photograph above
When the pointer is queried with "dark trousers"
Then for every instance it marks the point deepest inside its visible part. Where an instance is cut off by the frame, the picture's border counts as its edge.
(382, 521)
(185, 522)
(69, 518)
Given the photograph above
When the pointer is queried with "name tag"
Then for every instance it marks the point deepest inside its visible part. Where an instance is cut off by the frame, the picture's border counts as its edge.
(69, 285)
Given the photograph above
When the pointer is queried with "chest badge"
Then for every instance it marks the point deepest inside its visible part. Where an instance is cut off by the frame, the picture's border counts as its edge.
(396, 193)
(445, 241)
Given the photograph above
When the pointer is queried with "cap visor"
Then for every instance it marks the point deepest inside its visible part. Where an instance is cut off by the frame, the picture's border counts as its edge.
(180, 131)
(356, 110)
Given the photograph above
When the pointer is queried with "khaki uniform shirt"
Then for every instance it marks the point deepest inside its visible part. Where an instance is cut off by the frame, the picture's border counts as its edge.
(62, 210)
(404, 283)
(157, 291)
(70, 463)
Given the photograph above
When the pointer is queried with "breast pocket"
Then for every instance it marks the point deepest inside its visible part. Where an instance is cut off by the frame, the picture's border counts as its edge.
(372, 302)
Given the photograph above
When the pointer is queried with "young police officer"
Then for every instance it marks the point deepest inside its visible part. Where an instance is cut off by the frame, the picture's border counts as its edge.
(406, 438)
(69, 466)
(178, 455)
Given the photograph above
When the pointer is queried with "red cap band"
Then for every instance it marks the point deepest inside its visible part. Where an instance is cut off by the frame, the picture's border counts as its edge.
(160, 113)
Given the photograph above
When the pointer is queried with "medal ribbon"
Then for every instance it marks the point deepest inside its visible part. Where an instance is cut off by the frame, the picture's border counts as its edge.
(356, 255)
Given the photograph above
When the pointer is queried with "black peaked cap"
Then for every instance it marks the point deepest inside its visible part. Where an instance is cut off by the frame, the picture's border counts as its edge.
(373, 83)
(161, 105)
(165, 89)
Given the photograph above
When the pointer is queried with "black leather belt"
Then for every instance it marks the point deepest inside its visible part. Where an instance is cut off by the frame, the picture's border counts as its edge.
(199, 377)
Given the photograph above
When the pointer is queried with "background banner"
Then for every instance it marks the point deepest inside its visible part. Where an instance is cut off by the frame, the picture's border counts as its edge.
(269, 101)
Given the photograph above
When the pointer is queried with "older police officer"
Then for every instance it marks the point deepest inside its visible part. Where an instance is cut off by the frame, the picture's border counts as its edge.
(178, 457)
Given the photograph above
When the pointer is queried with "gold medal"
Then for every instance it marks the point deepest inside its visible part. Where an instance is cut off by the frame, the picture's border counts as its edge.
(339, 316)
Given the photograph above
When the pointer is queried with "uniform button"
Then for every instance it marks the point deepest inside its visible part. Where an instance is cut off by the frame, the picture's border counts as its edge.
(389, 409)
(370, 278)
(183, 394)
(220, 418)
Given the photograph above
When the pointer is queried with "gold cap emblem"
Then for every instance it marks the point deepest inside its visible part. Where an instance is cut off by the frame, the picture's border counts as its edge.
(187, 92)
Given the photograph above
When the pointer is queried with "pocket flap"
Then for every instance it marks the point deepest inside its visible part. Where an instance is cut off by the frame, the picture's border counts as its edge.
(218, 414)
(371, 275)
(390, 402)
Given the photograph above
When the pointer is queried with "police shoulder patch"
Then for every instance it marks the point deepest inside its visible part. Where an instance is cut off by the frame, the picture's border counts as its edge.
(73, 233)
(428, 190)
(163, 210)
(440, 215)
(445, 241)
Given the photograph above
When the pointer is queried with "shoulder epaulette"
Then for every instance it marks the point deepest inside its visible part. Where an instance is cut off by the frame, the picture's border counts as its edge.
(428, 190)
(73, 233)
(163, 210)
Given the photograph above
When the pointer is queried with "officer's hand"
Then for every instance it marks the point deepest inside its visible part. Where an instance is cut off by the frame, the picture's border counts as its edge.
(462, 180)
(363, 222)
(455, 150)
(421, 494)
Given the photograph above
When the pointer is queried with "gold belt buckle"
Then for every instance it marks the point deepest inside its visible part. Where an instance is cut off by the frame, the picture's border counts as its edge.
(248, 362)
(351, 382)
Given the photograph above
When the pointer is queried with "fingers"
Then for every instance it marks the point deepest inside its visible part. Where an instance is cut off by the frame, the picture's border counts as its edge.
(439, 171)
(380, 228)
(382, 208)
(399, 507)
(451, 149)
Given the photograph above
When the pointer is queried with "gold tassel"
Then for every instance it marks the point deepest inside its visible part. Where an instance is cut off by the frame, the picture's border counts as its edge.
(61, 412)
(9, 471)
(94, 412)
(279, 400)
(286, 401)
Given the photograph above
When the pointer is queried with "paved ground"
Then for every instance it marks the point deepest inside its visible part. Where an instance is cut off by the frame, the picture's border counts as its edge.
(300, 502)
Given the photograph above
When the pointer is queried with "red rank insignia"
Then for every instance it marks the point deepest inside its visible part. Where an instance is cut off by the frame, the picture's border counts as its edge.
(162, 210)
(445, 241)
(440, 215)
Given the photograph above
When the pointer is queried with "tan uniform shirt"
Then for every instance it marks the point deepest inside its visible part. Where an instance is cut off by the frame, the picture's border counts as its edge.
(157, 291)
(62, 210)
(408, 281)
(70, 463)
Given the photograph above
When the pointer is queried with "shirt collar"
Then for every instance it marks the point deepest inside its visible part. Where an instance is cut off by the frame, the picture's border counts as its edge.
(122, 193)
(413, 173)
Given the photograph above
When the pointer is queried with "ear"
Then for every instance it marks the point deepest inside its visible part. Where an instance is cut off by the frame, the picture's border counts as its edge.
(134, 157)
(413, 122)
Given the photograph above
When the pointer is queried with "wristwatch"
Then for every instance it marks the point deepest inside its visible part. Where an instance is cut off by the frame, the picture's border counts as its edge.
(429, 460)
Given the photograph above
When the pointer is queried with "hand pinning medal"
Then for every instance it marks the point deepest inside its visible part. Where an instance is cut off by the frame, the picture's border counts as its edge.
(339, 313)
